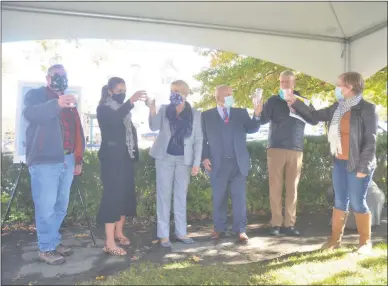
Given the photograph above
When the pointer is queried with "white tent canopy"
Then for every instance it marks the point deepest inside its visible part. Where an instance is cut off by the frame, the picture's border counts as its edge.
(322, 39)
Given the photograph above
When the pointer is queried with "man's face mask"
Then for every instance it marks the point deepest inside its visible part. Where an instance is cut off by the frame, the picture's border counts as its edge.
(282, 93)
(119, 97)
(59, 83)
(229, 101)
(176, 98)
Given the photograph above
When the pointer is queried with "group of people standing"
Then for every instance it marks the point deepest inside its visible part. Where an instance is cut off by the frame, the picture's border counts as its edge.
(188, 141)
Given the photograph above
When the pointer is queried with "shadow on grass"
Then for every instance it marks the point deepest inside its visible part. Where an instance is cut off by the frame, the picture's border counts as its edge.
(374, 262)
(300, 258)
(188, 272)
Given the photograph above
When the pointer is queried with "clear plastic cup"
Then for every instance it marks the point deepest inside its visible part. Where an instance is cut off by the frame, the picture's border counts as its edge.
(75, 95)
(257, 96)
(150, 98)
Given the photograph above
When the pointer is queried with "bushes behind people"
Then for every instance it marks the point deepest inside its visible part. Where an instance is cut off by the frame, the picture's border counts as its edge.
(315, 179)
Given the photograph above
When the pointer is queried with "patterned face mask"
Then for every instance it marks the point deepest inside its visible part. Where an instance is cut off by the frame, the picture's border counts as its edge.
(176, 98)
(59, 83)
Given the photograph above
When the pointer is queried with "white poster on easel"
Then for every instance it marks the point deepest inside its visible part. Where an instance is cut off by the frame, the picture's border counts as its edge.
(22, 123)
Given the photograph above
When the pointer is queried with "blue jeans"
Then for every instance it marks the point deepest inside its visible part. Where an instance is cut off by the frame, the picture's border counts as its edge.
(349, 189)
(50, 186)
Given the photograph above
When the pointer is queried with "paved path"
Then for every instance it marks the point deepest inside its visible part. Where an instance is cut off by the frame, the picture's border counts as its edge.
(19, 249)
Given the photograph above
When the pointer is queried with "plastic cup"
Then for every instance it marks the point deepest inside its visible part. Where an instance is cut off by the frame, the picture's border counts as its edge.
(149, 99)
(72, 105)
(257, 96)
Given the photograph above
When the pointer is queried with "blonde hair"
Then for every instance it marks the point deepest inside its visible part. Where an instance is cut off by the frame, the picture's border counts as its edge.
(181, 83)
(355, 80)
(287, 73)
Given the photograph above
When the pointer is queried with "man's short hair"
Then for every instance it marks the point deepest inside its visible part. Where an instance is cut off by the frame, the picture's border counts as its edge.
(53, 67)
(287, 73)
(355, 80)
(221, 86)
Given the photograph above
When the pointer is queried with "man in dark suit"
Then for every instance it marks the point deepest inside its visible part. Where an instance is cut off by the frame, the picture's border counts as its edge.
(226, 159)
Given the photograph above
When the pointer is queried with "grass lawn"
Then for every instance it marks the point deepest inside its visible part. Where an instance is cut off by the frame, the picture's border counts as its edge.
(339, 267)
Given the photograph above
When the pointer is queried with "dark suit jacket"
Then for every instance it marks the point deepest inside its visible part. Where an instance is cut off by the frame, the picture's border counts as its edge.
(242, 124)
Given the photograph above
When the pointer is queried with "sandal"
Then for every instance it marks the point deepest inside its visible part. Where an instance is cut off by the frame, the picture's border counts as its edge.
(117, 252)
(123, 241)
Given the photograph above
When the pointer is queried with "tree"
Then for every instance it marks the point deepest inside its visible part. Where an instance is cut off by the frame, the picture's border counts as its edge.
(376, 88)
(244, 74)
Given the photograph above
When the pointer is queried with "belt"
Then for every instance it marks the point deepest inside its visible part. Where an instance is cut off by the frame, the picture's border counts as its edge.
(67, 152)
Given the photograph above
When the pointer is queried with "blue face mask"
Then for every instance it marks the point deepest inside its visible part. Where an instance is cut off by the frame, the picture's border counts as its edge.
(281, 94)
(229, 101)
(338, 93)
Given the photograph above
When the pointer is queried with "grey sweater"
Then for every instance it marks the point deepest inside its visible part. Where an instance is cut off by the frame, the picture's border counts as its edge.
(44, 139)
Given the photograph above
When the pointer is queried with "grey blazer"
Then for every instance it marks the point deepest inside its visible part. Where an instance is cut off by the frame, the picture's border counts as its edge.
(193, 144)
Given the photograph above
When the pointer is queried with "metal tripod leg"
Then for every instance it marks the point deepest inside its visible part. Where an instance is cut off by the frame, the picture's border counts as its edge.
(13, 194)
(85, 211)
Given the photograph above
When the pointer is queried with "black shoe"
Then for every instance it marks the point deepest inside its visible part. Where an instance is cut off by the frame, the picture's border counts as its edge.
(274, 231)
(290, 231)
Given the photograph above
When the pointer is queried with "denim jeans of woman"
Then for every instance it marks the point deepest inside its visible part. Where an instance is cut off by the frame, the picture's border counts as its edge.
(349, 189)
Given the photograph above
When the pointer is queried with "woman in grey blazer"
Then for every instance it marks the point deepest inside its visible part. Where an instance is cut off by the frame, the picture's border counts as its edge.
(177, 152)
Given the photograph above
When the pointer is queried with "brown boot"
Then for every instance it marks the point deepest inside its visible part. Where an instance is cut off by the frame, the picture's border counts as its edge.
(337, 229)
(364, 225)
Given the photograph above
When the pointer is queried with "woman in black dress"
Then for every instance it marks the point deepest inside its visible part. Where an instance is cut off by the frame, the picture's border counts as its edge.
(117, 154)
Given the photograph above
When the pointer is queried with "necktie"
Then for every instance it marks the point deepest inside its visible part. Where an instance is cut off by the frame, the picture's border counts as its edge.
(226, 116)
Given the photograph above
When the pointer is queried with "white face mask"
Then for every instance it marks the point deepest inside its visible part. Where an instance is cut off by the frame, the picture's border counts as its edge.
(229, 101)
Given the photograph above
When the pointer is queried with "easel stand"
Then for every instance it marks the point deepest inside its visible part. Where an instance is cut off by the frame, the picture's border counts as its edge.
(75, 182)
(16, 185)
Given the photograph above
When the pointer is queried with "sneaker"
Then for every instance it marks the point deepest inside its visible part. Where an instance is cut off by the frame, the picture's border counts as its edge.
(51, 257)
(274, 231)
(63, 250)
(186, 240)
(166, 244)
(290, 231)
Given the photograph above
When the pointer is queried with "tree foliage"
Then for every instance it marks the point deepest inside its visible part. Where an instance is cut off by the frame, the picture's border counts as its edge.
(244, 74)
(376, 88)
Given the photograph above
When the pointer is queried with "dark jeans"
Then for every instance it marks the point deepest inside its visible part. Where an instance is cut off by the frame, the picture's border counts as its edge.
(349, 189)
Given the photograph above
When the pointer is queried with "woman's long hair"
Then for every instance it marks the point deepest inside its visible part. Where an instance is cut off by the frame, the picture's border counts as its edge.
(112, 82)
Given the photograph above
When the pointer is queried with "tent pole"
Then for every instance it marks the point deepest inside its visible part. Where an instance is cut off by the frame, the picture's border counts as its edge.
(346, 55)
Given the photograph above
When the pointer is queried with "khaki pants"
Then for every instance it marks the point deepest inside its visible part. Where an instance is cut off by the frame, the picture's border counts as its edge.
(280, 160)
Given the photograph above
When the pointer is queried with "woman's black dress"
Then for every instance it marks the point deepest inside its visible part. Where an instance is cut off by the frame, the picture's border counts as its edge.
(117, 167)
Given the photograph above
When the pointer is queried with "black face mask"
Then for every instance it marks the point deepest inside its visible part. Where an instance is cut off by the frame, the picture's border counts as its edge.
(119, 98)
(59, 83)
